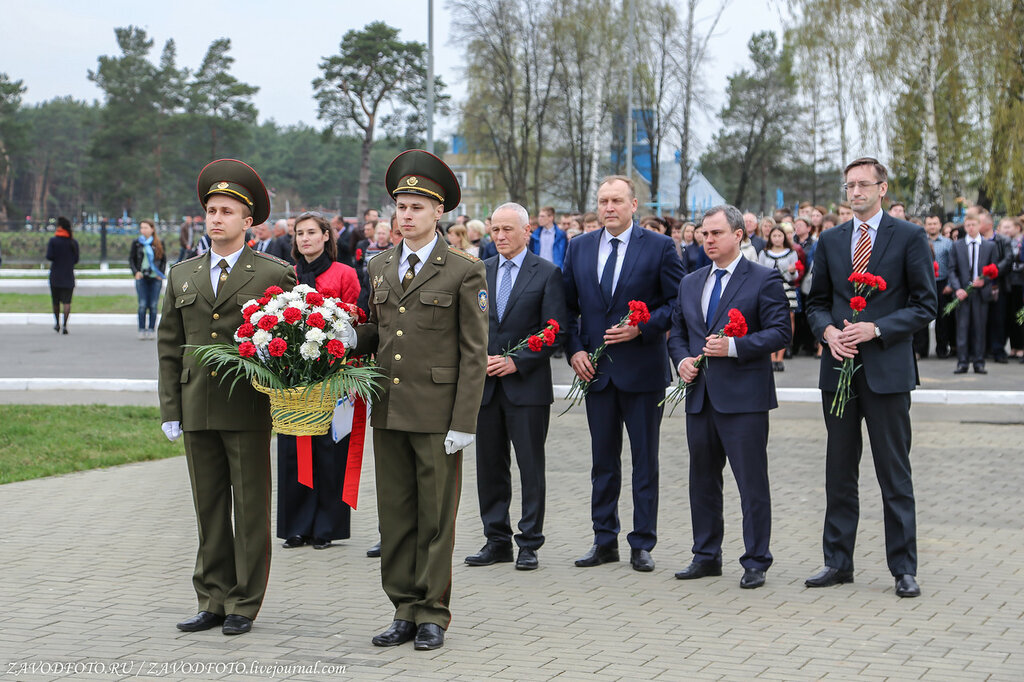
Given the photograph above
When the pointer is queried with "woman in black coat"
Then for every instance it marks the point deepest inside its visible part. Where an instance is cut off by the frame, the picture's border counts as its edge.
(62, 252)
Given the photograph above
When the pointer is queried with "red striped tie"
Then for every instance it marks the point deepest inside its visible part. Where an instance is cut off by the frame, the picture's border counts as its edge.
(862, 254)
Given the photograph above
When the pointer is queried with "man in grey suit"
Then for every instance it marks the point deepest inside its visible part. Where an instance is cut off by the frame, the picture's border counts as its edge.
(516, 406)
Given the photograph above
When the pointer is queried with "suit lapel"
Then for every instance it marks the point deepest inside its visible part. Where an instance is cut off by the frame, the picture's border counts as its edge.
(390, 270)
(636, 235)
(527, 272)
(491, 270)
(200, 278)
(735, 282)
(434, 263)
(846, 261)
(694, 302)
(882, 239)
(237, 278)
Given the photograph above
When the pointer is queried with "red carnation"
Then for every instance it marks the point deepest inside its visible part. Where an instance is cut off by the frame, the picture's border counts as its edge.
(267, 322)
(800, 267)
(314, 298)
(336, 348)
(273, 291)
(990, 271)
(359, 254)
(316, 320)
(362, 315)
(292, 315)
(553, 323)
(535, 343)
(247, 312)
(638, 313)
(935, 265)
(737, 326)
(858, 303)
(277, 347)
(245, 331)
(879, 283)
(263, 301)
(247, 349)
(549, 337)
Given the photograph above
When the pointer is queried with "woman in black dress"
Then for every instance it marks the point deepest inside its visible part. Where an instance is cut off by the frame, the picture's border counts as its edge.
(62, 252)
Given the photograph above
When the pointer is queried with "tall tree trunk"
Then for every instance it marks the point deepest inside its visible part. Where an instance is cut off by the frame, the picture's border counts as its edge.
(363, 198)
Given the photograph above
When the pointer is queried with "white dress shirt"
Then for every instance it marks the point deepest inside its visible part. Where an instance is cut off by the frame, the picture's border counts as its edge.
(517, 266)
(873, 223)
(977, 255)
(423, 254)
(705, 297)
(215, 268)
(605, 250)
(547, 243)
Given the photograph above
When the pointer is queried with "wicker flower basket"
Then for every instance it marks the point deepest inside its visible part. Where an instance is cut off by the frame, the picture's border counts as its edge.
(305, 411)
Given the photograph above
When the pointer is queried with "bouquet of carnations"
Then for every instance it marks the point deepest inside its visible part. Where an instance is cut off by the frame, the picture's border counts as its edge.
(864, 285)
(535, 342)
(990, 271)
(735, 328)
(637, 315)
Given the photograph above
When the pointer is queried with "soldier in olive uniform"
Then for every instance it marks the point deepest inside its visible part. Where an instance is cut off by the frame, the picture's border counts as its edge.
(227, 434)
(428, 327)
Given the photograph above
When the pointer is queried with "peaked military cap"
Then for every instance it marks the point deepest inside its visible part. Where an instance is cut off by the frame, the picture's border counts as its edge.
(237, 180)
(415, 171)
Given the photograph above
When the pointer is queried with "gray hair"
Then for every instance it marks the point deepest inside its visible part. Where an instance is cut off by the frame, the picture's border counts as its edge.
(732, 215)
(522, 213)
(282, 223)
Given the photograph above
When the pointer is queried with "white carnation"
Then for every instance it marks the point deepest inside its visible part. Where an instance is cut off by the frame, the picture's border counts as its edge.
(326, 312)
(315, 335)
(289, 296)
(310, 350)
(302, 289)
(251, 301)
(341, 329)
(256, 317)
(274, 307)
(261, 338)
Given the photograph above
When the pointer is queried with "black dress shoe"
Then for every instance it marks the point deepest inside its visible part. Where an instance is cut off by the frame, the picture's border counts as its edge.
(294, 541)
(640, 560)
(400, 632)
(321, 543)
(527, 559)
(980, 369)
(374, 552)
(598, 554)
(491, 553)
(236, 625)
(828, 577)
(1001, 360)
(699, 569)
(752, 578)
(428, 636)
(906, 586)
(960, 369)
(204, 620)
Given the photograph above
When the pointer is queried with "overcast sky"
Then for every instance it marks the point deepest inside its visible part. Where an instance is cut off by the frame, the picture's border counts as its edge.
(52, 44)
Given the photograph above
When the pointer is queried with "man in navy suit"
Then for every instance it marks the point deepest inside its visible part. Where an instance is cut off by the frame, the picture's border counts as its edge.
(969, 256)
(881, 344)
(603, 272)
(727, 408)
(527, 291)
(549, 241)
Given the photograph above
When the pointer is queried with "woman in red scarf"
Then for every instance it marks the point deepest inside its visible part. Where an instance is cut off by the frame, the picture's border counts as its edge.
(62, 252)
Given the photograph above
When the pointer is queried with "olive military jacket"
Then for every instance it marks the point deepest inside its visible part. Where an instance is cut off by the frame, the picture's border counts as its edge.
(430, 341)
(197, 396)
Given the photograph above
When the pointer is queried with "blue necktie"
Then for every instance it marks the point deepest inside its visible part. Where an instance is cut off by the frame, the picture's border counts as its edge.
(716, 295)
(504, 288)
(608, 274)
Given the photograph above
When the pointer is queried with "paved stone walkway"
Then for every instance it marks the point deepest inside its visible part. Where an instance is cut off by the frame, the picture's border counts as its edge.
(96, 570)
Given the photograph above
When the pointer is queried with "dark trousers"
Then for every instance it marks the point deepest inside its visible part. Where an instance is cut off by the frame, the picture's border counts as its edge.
(888, 422)
(712, 438)
(230, 475)
(524, 427)
(945, 327)
(418, 489)
(607, 411)
(316, 512)
(1014, 331)
(971, 318)
(995, 327)
(148, 291)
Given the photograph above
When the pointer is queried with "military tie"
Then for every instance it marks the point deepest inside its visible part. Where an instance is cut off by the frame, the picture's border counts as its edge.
(223, 265)
(504, 288)
(716, 296)
(608, 274)
(411, 272)
(862, 254)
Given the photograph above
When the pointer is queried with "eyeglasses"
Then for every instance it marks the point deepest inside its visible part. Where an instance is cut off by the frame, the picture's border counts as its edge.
(860, 185)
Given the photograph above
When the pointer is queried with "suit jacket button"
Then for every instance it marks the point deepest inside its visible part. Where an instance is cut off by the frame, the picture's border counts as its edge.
(397, 380)
(398, 356)
(213, 335)
(213, 373)
(435, 301)
(401, 308)
(216, 316)
(398, 333)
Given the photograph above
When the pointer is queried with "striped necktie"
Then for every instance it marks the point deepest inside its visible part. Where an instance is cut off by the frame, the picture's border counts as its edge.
(862, 254)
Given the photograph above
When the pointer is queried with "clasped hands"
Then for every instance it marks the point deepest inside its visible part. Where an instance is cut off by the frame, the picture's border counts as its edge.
(715, 346)
(500, 366)
(580, 360)
(843, 343)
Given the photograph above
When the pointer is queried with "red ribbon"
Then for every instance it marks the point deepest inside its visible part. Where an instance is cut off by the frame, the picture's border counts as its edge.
(354, 465)
(304, 456)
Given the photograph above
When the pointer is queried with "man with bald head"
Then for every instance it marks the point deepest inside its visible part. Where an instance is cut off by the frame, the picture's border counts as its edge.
(527, 291)
(750, 225)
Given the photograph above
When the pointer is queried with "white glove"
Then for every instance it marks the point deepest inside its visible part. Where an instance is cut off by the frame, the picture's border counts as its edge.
(348, 336)
(457, 440)
(172, 430)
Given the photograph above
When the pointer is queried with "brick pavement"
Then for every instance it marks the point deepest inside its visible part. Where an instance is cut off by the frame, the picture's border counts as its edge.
(96, 569)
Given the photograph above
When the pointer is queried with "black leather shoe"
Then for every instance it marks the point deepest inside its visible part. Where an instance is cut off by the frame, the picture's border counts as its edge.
(699, 569)
(491, 553)
(828, 577)
(980, 369)
(1001, 360)
(906, 586)
(294, 541)
(960, 369)
(598, 555)
(236, 625)
(428, 636)
(204, 620)
(527, 559)
(640, 560)
(400, 632)
(752, 578)
(320, 543)
(374, 552)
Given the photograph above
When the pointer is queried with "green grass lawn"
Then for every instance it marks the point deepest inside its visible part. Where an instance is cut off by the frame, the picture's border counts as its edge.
(100, 303)
(46, 440)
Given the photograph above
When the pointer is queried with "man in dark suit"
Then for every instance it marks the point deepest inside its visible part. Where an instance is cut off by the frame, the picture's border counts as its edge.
(881, 344)
(970, 255)
(604, 270)
(995, 326)
(346, 254)
(527, 291)
(750, 225)
(727, 416)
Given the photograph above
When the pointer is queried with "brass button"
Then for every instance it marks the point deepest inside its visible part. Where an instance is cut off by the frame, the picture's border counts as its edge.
(398, 333)
(401, 308)
(213, 335)
(213, 373)
(439, 258)
(435, 301)
(398, 356)
(248, 267)
(397, 380)
(216, 316)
